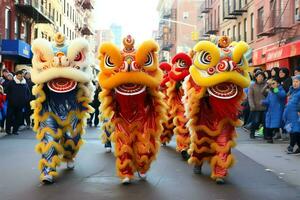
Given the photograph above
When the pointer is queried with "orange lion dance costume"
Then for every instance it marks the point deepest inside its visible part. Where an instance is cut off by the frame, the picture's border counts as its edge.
(213, 95)
(180, 69)
(131, 100)
(167, 133)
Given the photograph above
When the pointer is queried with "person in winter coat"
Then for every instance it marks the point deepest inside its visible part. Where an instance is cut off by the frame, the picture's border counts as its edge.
(275, 72)
(275, 103)
(285, 79)
(291, 116)
(267, 74)
(28, 110)
(17, 96)
(255, 96)
(2, 111)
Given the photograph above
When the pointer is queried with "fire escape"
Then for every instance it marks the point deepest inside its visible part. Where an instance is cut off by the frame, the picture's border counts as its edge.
(232, 9)
(275, 23)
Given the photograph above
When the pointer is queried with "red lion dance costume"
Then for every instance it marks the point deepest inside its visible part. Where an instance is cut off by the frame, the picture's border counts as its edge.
(174, 92)
(131, 100)
(213, 95)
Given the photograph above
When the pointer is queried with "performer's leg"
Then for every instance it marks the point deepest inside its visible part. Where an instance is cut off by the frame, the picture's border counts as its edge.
(146, 148)
(223, 158)
(96, 120)
(72, 142)
(200, 150)
(124, 153)
(49, 147)
(167, 133)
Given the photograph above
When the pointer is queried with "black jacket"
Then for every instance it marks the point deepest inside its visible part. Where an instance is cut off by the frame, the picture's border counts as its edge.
(18, 93)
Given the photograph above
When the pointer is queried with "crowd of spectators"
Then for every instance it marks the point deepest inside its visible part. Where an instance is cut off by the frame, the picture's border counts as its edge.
(15, 97)
(272, 106)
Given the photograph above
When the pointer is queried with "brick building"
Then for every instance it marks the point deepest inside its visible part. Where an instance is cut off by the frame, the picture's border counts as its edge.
(178, 21)
(271, 28)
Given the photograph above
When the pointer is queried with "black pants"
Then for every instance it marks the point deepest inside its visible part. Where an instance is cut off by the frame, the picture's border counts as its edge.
(14, 118)
(28, 113)
(295, 139)
(269, 133)
(257, 118)
(94, 116)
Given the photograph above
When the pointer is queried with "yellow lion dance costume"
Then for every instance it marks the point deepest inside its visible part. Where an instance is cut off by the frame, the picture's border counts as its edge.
(62, 73)
(213, 95)
(131, 101)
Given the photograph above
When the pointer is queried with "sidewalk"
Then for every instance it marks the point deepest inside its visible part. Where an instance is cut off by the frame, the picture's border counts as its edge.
(272, 156)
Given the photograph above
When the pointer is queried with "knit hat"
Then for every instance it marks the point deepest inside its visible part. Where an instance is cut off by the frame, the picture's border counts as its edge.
(259, 73)
(296, 77)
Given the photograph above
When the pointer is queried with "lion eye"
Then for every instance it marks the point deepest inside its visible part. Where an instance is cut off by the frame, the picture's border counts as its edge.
(149, 60)
(108, 62)
(181, 63)
(42, 59)
(204, 57)
(78, 57)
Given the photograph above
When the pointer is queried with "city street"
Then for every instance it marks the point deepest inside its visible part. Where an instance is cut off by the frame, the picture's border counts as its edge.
(169, 178)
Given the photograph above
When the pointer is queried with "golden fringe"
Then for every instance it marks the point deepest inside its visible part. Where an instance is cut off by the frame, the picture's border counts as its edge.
(179, 121)
(43, 147)
(54, 163)
(84, 96)
(143, 145)
(216, 160)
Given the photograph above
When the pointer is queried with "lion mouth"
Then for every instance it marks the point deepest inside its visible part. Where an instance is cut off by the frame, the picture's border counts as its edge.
(223, 90)
(130, 89)
(61, 85)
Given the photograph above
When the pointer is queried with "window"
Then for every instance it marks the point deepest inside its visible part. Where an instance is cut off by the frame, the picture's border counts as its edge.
(64, 29)
(260, 20)
(49, 9)
(67, 9)
(215, 22)
(228, 32)
(239, 31)
(64, 6)
(223, 32)
(252, 26)
(35, 33)
(16, 28)
(218, 16)
(53, 14)
(234, 33)
(7, 23)
(185, 15)
(296, 18)
(60, 20)
(245, 29)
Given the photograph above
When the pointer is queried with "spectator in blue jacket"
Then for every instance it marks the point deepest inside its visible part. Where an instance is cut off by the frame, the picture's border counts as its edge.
(291, 116)
(274, 103)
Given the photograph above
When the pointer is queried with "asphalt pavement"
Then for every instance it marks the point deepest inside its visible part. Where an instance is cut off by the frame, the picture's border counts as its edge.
(94, 176)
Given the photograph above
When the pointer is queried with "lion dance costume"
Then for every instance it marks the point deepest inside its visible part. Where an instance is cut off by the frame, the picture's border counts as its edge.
(174, 92)
(213, 95)
(131, 100)
(168, 125)
(62, 74)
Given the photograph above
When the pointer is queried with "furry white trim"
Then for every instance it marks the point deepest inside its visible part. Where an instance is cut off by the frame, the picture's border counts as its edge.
(50, 68)
(18, 81)
(44, 76)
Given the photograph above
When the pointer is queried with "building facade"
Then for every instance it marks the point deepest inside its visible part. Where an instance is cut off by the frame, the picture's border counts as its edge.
(179, 26)
(21, 21)
(271, 28)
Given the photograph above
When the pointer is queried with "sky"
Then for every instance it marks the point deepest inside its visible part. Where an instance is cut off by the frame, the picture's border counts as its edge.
(137, 17)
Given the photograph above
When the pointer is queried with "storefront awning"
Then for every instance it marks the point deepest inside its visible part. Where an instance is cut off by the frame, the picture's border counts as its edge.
(16, 48)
